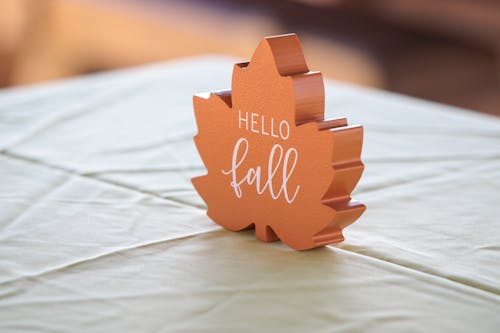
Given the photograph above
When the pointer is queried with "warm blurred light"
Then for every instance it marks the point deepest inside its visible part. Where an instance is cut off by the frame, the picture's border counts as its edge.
(445, 51)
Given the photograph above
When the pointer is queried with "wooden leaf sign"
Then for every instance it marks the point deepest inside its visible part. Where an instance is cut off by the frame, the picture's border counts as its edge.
(274, 163)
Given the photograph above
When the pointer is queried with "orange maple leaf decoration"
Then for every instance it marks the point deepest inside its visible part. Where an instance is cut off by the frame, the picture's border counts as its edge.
(273, 161)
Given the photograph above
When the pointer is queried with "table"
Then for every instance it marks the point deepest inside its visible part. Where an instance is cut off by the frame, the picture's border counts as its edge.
(101, 230)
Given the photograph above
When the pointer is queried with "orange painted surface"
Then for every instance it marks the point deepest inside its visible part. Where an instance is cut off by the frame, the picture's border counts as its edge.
(274, 163)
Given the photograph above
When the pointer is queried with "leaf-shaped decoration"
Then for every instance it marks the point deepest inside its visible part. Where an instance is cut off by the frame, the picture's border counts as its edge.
(274, 163)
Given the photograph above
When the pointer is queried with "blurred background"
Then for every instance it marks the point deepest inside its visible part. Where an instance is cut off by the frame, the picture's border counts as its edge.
(446, 51)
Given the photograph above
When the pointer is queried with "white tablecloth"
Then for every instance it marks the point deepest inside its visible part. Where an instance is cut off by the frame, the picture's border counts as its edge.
(101, 230)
